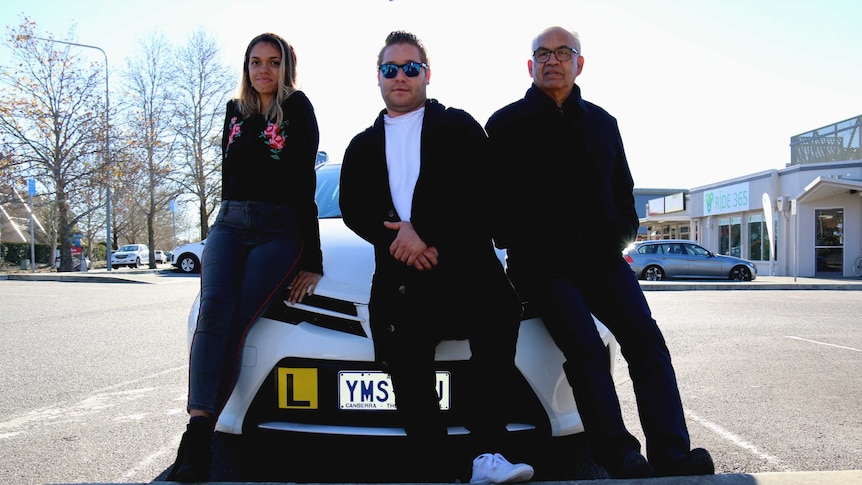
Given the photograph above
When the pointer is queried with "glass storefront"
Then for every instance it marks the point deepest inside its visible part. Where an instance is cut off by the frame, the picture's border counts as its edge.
(758, 239)
(730, 236)
(829, 240)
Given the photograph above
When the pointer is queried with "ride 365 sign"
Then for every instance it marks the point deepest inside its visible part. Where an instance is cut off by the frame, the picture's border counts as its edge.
(731, 198)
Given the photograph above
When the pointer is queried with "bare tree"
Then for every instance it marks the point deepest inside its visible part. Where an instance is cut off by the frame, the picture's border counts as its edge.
(52, 121)
(92, 223)
(151, 144)
(128, 220)
(203, 86)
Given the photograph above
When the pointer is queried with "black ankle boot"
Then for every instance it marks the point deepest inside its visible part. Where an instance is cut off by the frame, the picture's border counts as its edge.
(195, 455)
(696, 462)
(632, 465)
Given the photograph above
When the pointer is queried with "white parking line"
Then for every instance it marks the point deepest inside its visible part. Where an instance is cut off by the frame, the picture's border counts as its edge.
(736, 440)
(97, 401)
(143, 378)
(823, 343)
(143, 466)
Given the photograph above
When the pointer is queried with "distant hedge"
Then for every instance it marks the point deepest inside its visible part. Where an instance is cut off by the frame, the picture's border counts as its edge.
(13, 253)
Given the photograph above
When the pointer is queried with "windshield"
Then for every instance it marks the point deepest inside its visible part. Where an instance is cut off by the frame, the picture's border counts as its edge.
(326, 194)
(129, 248)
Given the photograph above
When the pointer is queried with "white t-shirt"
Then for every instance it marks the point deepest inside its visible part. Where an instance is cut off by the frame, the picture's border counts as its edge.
(403, 134)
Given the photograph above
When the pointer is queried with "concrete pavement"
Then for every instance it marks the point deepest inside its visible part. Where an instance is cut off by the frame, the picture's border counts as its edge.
(100, 275)
(848, 477)
(146, 275)
(761, 283)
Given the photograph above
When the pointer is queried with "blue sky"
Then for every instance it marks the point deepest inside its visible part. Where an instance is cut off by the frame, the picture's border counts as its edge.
(704, 90)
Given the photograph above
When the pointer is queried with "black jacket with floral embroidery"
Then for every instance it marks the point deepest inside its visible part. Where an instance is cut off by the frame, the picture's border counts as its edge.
(268, 163)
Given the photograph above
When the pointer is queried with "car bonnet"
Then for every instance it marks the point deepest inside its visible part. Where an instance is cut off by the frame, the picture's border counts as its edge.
(348, 263)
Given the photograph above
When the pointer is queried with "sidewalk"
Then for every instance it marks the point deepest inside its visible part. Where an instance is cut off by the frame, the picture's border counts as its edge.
(761, 283)
(146, 275)
(98, 275)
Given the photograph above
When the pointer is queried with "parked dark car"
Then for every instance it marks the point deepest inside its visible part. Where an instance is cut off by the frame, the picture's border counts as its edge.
(680, 258)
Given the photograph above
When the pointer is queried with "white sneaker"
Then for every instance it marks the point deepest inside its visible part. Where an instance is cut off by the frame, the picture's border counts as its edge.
(488, 468)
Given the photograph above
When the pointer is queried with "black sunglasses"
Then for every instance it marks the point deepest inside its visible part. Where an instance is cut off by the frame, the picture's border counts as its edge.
(411, 69)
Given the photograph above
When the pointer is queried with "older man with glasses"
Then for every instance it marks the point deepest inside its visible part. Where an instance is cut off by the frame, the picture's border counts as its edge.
(413, 185)
(562, 156)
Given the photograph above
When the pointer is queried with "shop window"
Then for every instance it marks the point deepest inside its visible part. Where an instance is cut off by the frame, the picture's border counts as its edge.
(736, 236)
(758, 239)
(730, 236)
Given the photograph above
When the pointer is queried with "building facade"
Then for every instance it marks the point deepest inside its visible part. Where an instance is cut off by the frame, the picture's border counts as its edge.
(802, 220)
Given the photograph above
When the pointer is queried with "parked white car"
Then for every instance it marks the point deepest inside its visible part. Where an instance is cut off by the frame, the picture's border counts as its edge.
(161, 257)
(308, 371)
(131, 255)
(187, 258)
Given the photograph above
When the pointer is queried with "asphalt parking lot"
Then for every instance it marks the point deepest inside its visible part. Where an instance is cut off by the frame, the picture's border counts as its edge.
(846, 477)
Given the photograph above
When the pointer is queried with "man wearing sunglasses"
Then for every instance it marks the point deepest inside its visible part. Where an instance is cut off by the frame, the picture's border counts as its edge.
(552, 130)
(413, 186)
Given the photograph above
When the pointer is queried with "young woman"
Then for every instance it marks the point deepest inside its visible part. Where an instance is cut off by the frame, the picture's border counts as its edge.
(265, 237)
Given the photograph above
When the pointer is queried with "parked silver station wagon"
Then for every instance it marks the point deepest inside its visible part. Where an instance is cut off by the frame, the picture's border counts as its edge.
(680, 258)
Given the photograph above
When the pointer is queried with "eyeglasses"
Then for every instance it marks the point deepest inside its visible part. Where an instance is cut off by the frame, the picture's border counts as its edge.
(411, 69)
(562, 54)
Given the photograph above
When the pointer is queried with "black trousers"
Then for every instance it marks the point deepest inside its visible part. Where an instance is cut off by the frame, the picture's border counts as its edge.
(407, 346)
(612, 293)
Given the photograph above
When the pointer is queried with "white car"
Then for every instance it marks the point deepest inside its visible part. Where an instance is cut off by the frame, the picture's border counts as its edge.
(161, 257)
(187, 258)
(131, 255)
(308, 371)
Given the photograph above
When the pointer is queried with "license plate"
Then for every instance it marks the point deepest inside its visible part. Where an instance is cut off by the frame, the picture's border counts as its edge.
(372, 391)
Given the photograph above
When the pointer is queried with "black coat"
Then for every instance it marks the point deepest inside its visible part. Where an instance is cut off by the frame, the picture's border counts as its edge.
(450, 212)
(566, 188)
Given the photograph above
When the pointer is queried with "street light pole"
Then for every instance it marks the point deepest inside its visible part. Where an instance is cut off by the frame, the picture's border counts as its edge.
(107, 147)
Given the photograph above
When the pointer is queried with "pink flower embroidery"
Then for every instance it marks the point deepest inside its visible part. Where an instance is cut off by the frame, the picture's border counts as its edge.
(235, 130)
(276, 142)
(271, 129)
(274, 136)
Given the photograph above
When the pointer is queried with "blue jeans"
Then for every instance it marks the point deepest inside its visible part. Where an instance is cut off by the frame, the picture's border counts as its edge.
(251, 255)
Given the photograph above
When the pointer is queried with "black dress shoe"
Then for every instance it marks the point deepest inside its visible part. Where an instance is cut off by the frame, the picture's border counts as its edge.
(696, 462)
(633, 465)
(195, 455)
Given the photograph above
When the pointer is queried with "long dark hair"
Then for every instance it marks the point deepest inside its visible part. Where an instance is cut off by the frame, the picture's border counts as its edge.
(249, 100)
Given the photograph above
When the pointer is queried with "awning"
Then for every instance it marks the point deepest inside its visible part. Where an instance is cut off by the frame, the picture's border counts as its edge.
(823, 187)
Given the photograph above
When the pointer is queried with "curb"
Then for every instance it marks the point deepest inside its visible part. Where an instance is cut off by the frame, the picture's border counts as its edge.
(761, 283)
(845, 477)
